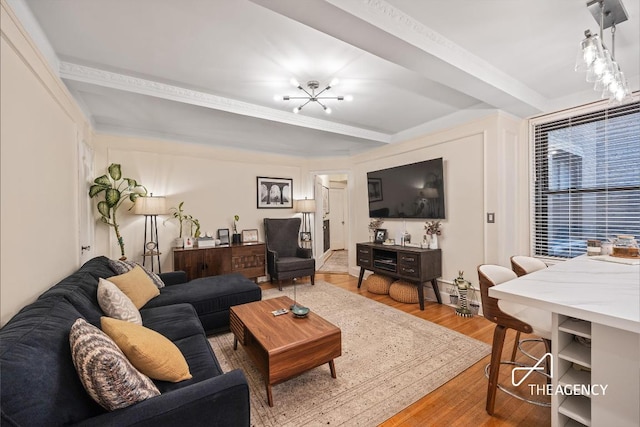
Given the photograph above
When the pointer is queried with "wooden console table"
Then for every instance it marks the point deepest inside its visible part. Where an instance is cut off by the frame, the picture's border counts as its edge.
(247, 259)
(415, 265)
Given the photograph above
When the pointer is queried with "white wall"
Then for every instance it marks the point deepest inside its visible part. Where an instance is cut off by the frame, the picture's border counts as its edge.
(483, 173)
(40, 132)
(214, 184)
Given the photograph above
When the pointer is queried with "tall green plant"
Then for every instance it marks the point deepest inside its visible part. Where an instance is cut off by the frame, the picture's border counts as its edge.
(115, 190)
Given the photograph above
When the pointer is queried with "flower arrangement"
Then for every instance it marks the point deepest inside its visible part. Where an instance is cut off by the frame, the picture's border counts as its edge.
(433, 227)
(236, 218)
(375, 223)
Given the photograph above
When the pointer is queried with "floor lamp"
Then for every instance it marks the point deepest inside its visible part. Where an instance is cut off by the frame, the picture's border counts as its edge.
(306, 207)
(150, 207)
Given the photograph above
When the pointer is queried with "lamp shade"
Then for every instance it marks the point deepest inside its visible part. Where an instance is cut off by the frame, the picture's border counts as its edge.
(306, 205)
(150, 206)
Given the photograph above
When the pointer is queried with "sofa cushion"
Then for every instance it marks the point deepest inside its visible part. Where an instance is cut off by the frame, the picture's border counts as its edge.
(123, 266)
(210, 294)
(292, 264)
(201, 359)
(136, 285)
(174, 321)
(35, 355)
(147, 350)
(116, 304)
(106, 374)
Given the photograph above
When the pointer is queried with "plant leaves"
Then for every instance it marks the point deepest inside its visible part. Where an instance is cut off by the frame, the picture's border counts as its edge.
(115, 172)
(112, 197)
(96, 189)
(103, 180)
(133, 197)
(104, 210)
(132, 183)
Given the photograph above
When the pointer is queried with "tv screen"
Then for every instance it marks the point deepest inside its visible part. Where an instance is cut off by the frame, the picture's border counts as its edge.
(415, 190)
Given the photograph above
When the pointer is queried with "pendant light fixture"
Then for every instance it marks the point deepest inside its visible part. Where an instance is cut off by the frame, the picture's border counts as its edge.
(596, 60)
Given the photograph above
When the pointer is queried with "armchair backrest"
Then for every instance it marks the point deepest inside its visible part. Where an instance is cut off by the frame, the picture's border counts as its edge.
(281, 235)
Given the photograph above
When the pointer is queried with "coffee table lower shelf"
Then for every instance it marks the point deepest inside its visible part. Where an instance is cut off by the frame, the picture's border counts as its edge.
(283, 347)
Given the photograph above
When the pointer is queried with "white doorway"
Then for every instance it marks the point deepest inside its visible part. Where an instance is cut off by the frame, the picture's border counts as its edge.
(337, 215)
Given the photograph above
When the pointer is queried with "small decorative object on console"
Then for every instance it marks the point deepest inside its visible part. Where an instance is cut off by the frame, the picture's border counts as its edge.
(381, 235)
(249, 236)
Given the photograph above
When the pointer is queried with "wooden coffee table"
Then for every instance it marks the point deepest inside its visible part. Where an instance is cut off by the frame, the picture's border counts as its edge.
(284, 346)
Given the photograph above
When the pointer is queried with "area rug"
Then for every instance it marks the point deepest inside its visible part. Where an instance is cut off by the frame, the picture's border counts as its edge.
(338, 262)
(390, 359)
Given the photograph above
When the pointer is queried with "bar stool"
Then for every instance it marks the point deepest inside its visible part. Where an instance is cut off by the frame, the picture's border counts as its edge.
(521, 265)
(507, 315)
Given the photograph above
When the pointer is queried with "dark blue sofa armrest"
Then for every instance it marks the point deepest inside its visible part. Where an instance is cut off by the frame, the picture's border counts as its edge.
(221, 401)
(173, 277)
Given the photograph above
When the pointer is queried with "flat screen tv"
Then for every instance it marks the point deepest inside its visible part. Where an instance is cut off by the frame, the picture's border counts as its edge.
(415, 190)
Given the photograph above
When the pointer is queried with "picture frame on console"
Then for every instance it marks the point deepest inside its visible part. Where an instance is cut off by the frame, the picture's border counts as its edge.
(250, 236)
(381, 235)
(274, 193)
(305, 236)
(223, 235)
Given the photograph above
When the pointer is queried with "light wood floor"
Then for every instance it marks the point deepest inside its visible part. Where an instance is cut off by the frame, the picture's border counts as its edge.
(461, 401)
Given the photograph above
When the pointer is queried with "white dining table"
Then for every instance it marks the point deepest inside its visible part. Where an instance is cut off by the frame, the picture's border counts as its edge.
(601, 295)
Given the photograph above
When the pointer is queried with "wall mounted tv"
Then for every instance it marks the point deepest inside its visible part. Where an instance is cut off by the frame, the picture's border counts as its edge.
(415, 190)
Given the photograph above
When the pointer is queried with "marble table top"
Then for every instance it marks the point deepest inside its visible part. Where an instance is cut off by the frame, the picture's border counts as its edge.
(585, 287)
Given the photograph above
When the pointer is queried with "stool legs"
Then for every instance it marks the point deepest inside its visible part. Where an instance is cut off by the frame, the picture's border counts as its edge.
(515, 347)
(496, 354)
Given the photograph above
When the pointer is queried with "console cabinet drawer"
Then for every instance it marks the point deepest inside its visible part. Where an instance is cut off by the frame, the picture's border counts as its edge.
(363, 256)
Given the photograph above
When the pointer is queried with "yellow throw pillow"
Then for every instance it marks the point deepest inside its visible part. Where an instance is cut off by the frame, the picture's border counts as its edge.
(150, 352)
(137, 285)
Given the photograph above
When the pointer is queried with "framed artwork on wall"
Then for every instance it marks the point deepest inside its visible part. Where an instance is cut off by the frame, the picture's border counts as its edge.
(275, 193)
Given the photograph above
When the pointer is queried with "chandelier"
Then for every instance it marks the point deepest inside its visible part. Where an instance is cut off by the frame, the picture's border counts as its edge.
(312, 96)
(596, 60)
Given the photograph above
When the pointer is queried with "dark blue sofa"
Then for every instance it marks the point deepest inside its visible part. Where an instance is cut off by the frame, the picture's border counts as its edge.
(40, 387)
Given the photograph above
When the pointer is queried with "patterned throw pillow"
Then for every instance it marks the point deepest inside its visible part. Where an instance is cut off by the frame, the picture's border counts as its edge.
(150, 352)
(122, 267)
(136, 285)
(104, 370)
(116, 304)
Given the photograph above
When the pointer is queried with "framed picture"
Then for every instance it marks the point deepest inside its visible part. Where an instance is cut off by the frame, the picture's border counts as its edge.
(381, 235)
(223, 235)
(325, 199)
(305, 236)
(274, 193)
(188, 242)
(249, 235)
(375, 189)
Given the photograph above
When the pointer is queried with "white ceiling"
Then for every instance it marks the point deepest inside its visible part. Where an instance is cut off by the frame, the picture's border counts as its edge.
(206, 71)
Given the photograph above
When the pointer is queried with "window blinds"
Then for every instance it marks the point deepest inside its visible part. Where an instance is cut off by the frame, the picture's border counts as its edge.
(586, 182)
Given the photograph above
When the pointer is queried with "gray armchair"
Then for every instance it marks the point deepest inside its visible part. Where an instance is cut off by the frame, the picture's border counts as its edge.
(285, 258)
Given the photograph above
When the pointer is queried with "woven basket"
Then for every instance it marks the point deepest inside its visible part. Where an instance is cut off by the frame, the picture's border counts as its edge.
(378, 284)
(405, 292)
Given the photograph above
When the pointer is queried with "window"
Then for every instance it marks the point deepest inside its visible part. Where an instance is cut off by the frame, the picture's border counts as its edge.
(586, 182)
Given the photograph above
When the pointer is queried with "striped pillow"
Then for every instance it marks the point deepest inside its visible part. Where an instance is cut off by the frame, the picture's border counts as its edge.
(121, 267)
(104, 371)
(116, 304)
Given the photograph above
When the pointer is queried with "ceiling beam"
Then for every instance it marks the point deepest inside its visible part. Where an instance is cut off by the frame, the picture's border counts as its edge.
(156, 89)
(385, 31)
